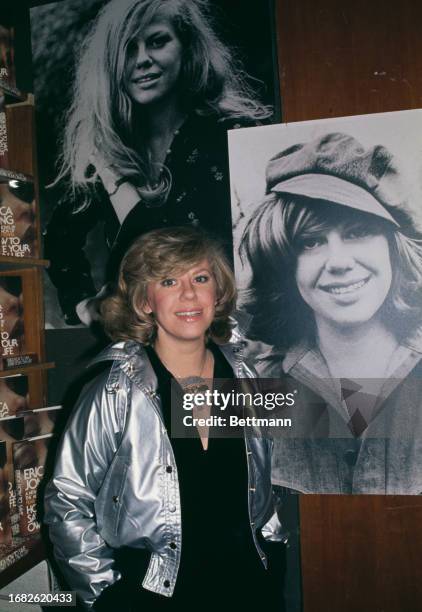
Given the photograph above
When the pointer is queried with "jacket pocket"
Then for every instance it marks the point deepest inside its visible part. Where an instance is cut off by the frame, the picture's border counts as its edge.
(110, 498)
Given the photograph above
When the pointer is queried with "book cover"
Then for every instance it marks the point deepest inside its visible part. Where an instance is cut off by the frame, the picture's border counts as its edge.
(18, 221)
(21, 392)
(11, 433)
(4, 147)
(40, 422)
(29, 457)
(20, 318)
(12, 329)
(12, 429)
(14, 395)
(7, 56)
(5, 519)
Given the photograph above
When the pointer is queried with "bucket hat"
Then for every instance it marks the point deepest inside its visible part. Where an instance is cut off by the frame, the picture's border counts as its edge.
(339, 169)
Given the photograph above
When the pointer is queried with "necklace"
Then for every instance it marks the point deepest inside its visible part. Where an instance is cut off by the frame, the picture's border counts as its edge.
(191, 384)
(195, 384)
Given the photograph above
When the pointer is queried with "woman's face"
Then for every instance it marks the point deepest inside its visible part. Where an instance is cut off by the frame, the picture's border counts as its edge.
(183, 305)
(344, 274)
(154, 63)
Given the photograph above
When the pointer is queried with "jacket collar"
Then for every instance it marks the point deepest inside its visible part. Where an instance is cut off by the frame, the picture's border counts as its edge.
(306, 363)
(134, 362)
(233, 351)
(304, 352)
(414, 341)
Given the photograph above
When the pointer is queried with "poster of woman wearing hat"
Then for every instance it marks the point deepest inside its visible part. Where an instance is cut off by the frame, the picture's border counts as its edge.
(329, 256)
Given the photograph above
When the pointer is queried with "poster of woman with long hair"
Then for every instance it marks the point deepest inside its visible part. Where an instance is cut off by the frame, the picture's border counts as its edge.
(134, 100)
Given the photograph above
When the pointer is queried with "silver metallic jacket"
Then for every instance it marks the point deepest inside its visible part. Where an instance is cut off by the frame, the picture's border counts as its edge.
(115, 481)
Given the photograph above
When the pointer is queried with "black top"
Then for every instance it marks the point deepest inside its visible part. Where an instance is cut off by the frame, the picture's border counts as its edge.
(213, 489)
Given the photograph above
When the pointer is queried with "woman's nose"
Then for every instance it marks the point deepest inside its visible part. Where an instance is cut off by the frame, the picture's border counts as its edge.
(339, 256)
(187, 291)
(142, 58)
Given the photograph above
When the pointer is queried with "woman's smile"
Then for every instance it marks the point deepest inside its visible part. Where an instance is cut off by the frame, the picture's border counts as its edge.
(189, 316)
(146, 80)
(344, 274)
(345, 288)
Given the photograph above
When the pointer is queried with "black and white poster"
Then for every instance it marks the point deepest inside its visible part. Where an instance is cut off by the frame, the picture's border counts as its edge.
(133, 100)
(327, 229)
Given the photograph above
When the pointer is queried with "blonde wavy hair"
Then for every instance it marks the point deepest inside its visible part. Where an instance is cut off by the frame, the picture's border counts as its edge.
(103, 117)
(155, 256)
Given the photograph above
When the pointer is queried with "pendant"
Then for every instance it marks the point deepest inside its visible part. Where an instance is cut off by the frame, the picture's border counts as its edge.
(194, 385)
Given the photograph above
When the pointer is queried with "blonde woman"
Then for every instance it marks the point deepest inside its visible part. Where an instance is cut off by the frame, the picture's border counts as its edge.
(145, 142)
(128, 506)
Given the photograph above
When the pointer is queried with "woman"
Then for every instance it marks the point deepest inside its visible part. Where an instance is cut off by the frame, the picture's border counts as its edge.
(145, 138)
(122, 494)
(338, 236)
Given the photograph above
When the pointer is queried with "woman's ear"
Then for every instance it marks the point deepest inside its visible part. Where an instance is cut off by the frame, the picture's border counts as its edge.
(143, 309)
(146, 308)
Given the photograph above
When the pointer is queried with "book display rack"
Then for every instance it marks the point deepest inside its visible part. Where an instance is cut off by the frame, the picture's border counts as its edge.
(26, 426)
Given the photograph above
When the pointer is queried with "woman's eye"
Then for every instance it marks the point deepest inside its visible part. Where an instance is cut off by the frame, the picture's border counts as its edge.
(158, 42)
(308, 244)
(202, 278)
(358, 232)
(168, 282)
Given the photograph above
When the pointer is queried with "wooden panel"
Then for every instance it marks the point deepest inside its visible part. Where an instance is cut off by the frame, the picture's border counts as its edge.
(20, 136)
(361, 553)
(340, 58)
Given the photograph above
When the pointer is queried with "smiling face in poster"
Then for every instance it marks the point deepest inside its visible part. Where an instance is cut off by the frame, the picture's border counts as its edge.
(154, 61)
(335, 235)
(344, 274)
(330, 266)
